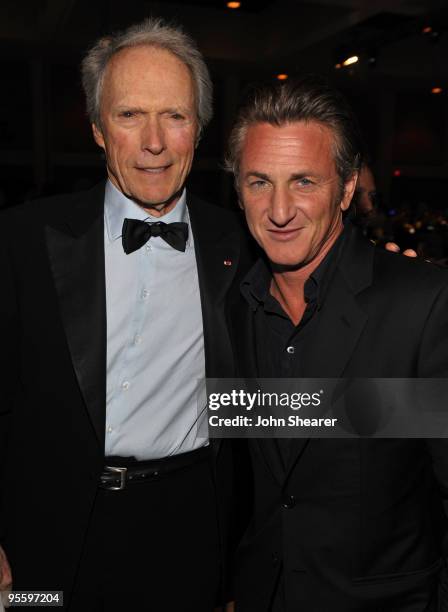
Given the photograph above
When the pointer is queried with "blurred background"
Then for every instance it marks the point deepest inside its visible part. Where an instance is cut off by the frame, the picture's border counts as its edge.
(390, 57)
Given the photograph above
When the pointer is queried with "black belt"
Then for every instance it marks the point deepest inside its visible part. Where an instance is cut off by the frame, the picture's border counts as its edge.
(127, 470)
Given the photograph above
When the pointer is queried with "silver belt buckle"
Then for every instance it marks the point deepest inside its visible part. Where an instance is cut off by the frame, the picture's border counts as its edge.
(117, 470)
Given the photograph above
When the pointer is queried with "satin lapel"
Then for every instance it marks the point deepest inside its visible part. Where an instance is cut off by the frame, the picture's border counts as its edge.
(217, 250)
(76, 252)
(341, 321)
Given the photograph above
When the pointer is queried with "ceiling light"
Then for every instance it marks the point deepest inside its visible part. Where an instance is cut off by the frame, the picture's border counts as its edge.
(233, 5)
(350, 60)
(427, 30)
(338, 66)
(436, 90)
(282, 77)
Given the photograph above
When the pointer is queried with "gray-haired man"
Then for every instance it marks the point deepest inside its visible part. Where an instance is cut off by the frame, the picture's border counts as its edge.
(113, 308)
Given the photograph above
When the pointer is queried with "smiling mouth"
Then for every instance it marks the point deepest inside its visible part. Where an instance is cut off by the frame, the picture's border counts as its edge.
(285, 234)
(156, 170)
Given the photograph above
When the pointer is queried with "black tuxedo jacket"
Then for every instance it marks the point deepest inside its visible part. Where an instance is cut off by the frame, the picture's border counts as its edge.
(355, 525)
(53, 371)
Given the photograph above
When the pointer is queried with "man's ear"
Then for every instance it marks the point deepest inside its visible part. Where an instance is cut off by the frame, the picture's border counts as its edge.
(98, 136)
(349, 190)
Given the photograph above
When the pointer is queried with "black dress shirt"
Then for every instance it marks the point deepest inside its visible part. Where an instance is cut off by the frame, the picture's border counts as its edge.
(280, 343)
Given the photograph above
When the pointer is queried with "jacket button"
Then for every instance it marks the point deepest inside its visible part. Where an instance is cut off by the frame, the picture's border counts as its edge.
(289, 502)
(275, 559)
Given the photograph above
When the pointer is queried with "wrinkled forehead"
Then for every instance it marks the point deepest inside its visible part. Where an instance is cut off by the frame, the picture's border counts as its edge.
(321, 132)
(148, 70)
(295, 142)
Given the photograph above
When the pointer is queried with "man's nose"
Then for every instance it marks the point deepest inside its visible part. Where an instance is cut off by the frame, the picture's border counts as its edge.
(281, 209)
(153, 137)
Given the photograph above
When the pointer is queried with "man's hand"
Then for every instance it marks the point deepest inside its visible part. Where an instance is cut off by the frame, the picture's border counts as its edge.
(5, 571)
(392, 246)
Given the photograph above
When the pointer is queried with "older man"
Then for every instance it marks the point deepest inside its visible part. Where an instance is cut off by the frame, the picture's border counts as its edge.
(342, 525)
(113, 308)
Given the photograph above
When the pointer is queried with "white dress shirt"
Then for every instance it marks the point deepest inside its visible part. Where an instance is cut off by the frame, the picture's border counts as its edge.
(155, 340)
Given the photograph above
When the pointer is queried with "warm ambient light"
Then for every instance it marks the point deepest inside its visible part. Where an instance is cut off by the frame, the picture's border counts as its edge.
(427, 30)
(337, 66)
(436, 90)
(282, 77)
(233, 5)
(397, 172)
(350, 60)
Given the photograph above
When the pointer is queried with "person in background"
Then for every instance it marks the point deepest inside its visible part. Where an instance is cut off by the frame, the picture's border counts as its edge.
(368, 214)
(365, 196)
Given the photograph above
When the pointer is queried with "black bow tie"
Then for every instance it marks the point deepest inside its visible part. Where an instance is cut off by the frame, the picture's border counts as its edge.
(137, 233)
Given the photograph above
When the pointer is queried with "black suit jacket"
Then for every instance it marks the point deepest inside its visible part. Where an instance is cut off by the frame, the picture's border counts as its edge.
(53, 369)
(356, 525)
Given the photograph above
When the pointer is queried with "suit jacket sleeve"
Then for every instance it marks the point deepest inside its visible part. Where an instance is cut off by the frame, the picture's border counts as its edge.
(433, 363)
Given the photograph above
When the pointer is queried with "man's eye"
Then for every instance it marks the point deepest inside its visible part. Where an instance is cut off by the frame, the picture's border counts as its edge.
(177, 116)
(127, 114)
(257, 184)
(304, 182)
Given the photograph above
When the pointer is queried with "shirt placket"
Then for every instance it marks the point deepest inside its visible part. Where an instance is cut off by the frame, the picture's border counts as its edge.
(136, 336)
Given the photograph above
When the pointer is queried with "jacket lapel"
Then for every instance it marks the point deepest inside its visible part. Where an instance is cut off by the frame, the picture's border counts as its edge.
(76, 252)
(217, 250)
(341, 321)
(340, 324)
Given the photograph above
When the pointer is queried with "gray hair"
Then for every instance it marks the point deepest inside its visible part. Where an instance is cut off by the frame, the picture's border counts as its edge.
(307, 99)
(153, 32)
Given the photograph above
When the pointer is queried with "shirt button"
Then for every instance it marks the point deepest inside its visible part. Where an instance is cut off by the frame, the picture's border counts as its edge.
(137, 339)
(145, 294)
(125, 385)
(148, 247)
(109, 429)
(289, 502)
(290, 350)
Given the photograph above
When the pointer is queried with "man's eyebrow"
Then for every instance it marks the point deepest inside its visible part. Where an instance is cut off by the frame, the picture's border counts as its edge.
(174, 109)
(129, 108)
(139, 109)
(304, 174)
(260, 175)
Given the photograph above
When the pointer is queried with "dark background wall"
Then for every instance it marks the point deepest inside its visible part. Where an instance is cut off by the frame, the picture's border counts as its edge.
(45, 140)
